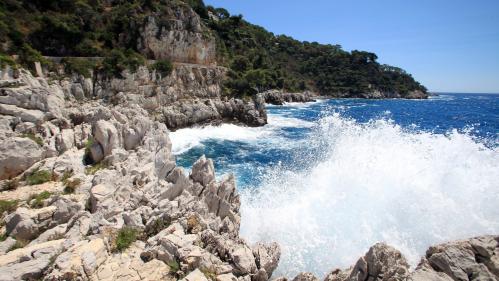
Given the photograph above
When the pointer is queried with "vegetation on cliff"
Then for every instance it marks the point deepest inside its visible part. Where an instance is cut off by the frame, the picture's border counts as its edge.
(258, 60)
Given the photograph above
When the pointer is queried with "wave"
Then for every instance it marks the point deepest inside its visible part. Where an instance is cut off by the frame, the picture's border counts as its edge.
(185, 139)
(368, 183)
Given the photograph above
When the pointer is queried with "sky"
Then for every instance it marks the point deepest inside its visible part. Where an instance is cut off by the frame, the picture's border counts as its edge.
(447, 45)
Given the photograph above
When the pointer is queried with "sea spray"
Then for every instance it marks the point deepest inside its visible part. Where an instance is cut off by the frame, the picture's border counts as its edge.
(371, 182)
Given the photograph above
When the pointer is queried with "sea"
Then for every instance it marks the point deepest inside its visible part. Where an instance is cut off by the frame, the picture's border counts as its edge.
(328, 179)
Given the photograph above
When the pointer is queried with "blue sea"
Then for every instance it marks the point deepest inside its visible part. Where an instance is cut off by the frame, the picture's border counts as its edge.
(330, 178)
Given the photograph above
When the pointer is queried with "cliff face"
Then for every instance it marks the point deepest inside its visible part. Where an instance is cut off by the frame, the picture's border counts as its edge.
(94, 192)
(177, 34)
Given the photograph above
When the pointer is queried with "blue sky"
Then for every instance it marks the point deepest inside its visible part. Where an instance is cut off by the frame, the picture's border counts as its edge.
(448, 45)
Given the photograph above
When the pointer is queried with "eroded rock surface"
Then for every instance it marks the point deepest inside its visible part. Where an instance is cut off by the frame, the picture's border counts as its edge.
(466, 260)
(114, 171)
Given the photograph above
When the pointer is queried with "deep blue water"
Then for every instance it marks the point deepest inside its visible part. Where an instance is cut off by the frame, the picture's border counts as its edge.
(327, 180)
(474, 114)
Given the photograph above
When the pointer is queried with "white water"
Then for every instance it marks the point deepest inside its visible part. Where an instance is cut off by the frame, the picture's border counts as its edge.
(374, 182)
(185, 139)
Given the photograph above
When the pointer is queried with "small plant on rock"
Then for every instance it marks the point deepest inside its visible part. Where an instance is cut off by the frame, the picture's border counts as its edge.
(39, 177)
(66, 176)
(36, 201)
(91, 170)
(20, 243)
(210, 274)
(126, 236)
(11, 184)
(8, 206)
(34, 138)
(163, 67)
(71, 185)
(174, 266)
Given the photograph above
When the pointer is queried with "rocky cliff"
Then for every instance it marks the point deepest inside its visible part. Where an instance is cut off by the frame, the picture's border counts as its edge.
(92, 192)
(176, 33)
(278, 97)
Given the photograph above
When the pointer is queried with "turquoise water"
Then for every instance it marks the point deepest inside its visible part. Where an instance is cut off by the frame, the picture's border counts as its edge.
(328, 179)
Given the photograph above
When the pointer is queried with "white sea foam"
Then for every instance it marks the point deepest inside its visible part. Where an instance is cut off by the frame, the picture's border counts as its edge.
(374, 182)
(186, 139)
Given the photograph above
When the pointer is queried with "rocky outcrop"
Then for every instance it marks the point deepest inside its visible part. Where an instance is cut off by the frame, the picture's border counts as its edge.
(190, 95)
(465, 260)
(118, 160)
(177, 34)
(41, 118)
(188, 113)
(378, 94)
(278, 97)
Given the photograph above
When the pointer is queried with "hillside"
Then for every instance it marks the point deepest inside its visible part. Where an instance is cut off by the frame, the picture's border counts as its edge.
(148, 29)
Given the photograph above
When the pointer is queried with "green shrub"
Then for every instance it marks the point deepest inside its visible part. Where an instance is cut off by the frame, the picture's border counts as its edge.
(84, 67)
(71, 185)
(164, 67)
(34, 138)
(11, 184)
(39, 177)
(8, 206)
(3, 237)
(118, 60)
(36, 201)
(126, 236)
(174, 266)
(28, 56)
(6, 60)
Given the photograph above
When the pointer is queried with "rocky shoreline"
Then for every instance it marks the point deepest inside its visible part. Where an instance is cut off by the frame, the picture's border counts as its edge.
(82, 175)
(92, 192)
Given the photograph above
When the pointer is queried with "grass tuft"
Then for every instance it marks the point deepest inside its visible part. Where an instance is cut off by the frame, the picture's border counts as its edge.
(91, 170)
(8, 206)
(38, 199)
(71, 185)
(11, 184)
(126, 236)
(39, 177)
(174, 266)
(34, 138)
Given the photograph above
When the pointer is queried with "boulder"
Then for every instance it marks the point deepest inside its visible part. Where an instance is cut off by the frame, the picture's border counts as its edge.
(27, 224)
(18, 154)
(475, 259)
(106, 134)
(29, 263)
(243, 259)
(79, 261)
(195, 275)
(267, 256)
(381, 262)
(305, 276)
(99, 194)
(65, 140)
(203, 171)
